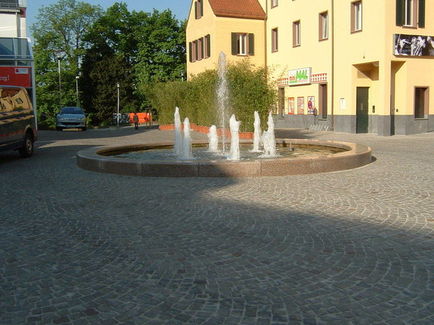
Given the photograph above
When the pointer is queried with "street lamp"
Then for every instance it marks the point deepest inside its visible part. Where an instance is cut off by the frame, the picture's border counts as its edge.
(60, 80)
(76, 89)
(117, 116)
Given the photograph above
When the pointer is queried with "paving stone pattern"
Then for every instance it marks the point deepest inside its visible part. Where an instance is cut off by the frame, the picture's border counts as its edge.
(351, 247)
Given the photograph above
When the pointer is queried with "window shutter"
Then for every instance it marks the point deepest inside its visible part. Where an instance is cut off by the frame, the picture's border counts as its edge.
(234, 44)
(190, 51)
(195, 10)
(400, 8)
(193, 51)
(201, 8)
(251, 44)
(421, 21)
(208, 46)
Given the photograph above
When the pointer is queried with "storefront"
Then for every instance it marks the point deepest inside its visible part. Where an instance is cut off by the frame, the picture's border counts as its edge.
(303, 99)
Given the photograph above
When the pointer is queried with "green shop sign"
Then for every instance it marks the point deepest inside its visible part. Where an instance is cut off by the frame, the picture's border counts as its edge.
(299, 76)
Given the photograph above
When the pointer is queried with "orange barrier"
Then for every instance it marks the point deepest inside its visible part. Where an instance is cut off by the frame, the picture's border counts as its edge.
(143, 117)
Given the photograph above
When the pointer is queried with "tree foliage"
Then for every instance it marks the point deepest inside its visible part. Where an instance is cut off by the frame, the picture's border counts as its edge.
(110, 59)
(146, 47)
(161, 48)
(249, 91)
(58, 35)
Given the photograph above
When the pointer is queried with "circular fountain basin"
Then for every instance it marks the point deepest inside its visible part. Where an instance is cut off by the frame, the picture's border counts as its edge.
(338, 156)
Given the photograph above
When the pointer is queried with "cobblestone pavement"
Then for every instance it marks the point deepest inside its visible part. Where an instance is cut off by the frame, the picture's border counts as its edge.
(351, 247)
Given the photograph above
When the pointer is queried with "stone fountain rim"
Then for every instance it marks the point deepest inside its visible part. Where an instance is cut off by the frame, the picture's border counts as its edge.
(93, 159)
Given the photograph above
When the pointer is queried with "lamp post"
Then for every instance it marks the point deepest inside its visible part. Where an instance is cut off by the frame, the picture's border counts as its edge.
(76, 89)
(60, 80)
(117, 116)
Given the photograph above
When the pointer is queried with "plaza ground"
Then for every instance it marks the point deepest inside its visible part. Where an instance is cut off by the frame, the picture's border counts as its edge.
(350, 247)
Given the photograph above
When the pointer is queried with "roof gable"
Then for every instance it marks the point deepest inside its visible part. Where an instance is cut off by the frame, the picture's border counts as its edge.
(249, 9)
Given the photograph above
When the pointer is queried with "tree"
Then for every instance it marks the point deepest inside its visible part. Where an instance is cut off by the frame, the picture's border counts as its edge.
(146, 47)
(161, 52)
(58, 36)
(111, 43)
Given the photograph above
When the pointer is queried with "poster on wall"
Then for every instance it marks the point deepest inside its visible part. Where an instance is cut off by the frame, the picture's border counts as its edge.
(291, 105)
(311, 104)
(413, 45)
(300, 105)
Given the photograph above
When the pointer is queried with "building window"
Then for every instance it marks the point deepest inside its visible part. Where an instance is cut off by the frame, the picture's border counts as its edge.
(198, 9)
(274, 40)
(200, 49)
(421, 100)
(296, 33)
(243, 44)
(274, 3)
(193, 53)
(323, 26)
(410, 13)
(199, 45)
(207, 46)
(356, 16)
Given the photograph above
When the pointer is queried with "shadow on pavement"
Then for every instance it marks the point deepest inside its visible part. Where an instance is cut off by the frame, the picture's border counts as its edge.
(101, 248)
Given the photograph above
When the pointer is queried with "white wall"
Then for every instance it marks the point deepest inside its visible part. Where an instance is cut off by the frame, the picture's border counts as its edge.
(9, 27)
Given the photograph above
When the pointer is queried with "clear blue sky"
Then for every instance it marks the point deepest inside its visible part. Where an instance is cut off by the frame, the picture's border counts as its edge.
(179, 8)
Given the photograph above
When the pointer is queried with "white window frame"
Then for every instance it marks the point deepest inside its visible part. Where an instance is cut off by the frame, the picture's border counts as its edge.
(410, 13)
(275, 40)
(356, 16)
(324, 25)
(242, 44)
(296, 25)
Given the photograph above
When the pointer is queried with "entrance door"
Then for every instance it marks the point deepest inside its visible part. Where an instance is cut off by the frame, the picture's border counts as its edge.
(281, 101)
(322, 101)
(362, 120)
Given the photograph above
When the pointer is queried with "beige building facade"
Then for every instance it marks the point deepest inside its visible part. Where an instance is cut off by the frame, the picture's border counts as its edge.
(13, 18)
(363, 66)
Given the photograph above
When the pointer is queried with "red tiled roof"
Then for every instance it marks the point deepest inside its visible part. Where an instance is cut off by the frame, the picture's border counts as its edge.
(250, 9)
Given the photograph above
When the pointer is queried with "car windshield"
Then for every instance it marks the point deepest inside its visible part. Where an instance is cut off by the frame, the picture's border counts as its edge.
(71, 110)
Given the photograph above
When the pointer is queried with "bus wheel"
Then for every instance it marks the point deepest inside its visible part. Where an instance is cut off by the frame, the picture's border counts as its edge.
(27, 149)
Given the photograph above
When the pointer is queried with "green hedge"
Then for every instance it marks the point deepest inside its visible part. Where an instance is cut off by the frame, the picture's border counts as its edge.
(249, 91)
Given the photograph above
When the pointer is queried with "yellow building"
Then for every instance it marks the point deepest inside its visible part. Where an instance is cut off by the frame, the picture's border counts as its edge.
(236, 28)
(344, 65)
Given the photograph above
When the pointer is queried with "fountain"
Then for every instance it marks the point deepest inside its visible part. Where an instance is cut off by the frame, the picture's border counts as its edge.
(235, 138)
(269, 140)
(213, 139)
(178, 134)
(256, 133)
(176, 159)
(187, 153)
(222, 96)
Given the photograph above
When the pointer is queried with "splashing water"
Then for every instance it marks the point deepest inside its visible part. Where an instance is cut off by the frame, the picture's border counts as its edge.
(178, 134)
(213, 139)
(235, 138)
(257, 133)
(269, 140)
(187, 152)
(222, 95)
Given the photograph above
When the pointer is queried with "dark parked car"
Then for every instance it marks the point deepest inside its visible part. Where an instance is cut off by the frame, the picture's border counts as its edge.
(71, 118)
(17, 120)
